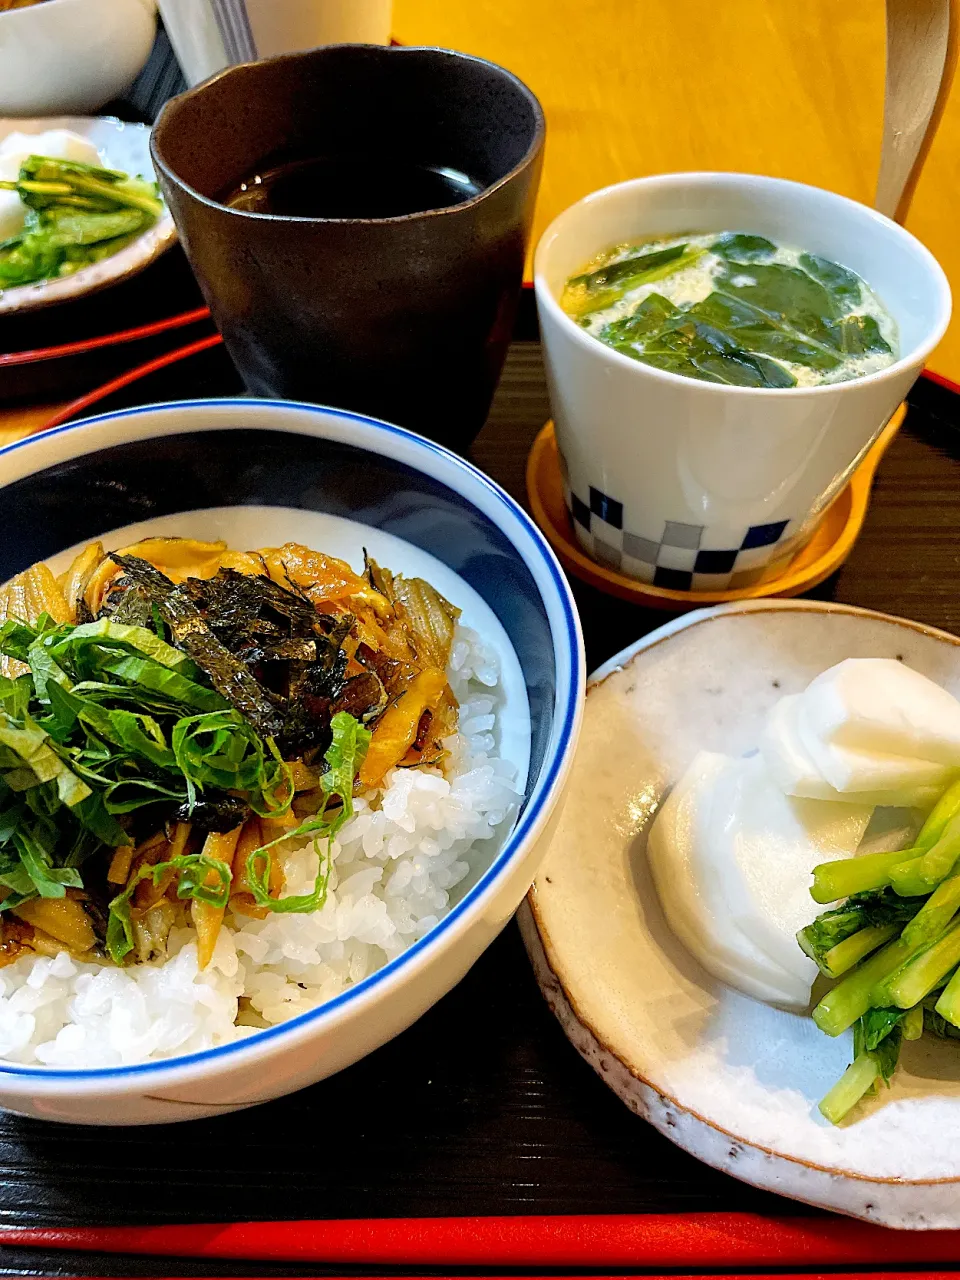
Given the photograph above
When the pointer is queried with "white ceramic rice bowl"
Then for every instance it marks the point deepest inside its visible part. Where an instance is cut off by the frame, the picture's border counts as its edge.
(226, 461)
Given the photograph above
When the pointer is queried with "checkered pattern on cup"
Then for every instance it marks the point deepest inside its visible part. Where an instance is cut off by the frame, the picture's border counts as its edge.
(681, 557)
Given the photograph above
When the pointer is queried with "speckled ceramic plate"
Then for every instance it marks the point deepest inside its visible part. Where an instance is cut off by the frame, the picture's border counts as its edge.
(122, 146)
(730, 1080)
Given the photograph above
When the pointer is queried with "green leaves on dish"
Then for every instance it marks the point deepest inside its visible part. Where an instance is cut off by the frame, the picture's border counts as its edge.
(79, 697)
(760, 331)
(761, 320)
(877, 1038)
(77, 214)
(895, 948)
(344, 757)
(193, 881)
(739, 246)
(842, 285)
(839, 939)
(690, 342)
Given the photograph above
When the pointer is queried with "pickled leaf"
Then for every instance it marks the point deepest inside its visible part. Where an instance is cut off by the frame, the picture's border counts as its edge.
(84, 227)
(77, 214)
(430, 619)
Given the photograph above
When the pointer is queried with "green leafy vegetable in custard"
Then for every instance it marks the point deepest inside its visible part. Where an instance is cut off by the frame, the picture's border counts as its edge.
(746, 317)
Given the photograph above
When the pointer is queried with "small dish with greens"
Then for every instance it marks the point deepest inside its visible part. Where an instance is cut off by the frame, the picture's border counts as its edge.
(78, 208)
(756, 742)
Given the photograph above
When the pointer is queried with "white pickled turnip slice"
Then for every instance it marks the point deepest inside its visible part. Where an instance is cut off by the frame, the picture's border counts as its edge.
(57, 144)
(762, 848)
(694, 912)
(788, 760)
(13, 214)
(878, 704)
(858, 769)
(796, 773)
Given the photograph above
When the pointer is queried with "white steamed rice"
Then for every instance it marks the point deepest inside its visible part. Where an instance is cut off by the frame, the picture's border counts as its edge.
(397, 866)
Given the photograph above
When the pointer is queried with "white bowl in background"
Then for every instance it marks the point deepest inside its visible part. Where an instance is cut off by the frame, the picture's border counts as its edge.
(667, 475)
(64, 56)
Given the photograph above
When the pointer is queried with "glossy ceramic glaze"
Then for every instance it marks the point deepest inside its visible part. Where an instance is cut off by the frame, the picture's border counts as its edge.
(730, 1080)
(208, 35)
(696, 485)
(72, 55)
(123, 146)
(213, 461)
(407, 318)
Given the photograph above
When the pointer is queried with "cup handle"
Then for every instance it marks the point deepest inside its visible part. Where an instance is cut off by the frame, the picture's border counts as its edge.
(922, 44)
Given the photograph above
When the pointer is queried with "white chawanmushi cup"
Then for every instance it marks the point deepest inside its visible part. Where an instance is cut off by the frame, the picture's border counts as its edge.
(697, 485)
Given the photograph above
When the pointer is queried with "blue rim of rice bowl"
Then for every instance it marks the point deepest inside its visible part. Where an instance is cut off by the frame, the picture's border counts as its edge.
(570, 692)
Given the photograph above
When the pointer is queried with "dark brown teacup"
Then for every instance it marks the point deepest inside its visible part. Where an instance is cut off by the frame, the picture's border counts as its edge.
(405, 317)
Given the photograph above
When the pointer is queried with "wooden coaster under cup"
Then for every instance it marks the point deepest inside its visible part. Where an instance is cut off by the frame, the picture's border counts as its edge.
(826, 550)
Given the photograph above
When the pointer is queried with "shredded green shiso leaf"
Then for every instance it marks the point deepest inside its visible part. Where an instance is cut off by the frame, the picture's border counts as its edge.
(111, 720)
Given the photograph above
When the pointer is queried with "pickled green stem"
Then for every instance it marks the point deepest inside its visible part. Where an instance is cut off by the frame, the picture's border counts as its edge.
(858, 1079)
(850, 998)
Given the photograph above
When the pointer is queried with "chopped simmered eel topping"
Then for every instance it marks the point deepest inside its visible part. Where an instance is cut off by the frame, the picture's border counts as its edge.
(173, 711)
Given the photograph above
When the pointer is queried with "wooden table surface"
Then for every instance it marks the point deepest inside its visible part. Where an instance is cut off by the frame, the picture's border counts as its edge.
(778, 87)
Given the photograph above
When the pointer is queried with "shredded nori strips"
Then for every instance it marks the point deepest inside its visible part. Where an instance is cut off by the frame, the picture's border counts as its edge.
(228, 675)
(132, 606)
(310, 703)
(214, 811)
(265, 648)
(238, 607)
